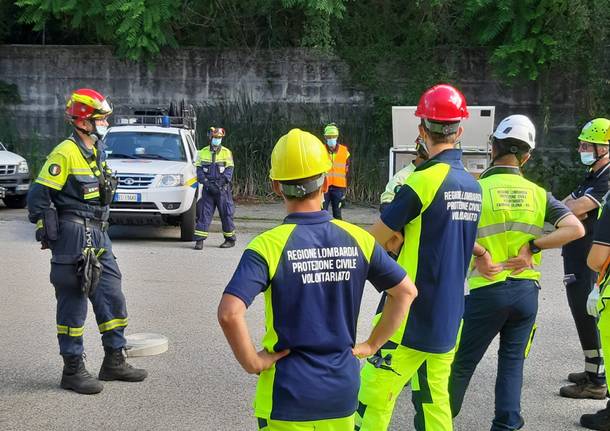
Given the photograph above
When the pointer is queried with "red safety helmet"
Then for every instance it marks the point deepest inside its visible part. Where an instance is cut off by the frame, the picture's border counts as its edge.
(216, 132)
(87, 104)
(442, 103)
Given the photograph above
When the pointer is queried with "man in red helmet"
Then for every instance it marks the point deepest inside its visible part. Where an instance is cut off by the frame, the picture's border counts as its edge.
(69, 204)
(437, 211)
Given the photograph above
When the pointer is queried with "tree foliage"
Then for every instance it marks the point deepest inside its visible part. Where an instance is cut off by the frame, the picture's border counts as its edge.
(526, 36)
(137, 28)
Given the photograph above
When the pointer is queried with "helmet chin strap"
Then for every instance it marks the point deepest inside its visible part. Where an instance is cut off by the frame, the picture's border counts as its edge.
(598, 156)
(91, 133)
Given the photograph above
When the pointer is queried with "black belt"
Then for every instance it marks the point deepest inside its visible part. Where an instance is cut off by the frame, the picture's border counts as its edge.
(99, 224)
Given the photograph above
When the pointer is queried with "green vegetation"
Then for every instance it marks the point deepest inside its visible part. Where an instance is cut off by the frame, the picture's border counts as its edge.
(254, 128)
(395, 49)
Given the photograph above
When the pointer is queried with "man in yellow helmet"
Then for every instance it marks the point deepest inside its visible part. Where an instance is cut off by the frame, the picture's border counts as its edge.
(585, 202)
(312, 270)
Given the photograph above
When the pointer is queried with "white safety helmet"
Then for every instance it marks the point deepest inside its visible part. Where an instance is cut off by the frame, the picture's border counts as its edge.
(517, 127)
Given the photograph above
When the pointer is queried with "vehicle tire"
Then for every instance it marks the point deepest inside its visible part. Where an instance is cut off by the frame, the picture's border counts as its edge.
(16, 201)
(187, 223)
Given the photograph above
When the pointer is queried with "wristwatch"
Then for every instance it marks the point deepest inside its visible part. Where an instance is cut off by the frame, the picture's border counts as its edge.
(533, 247)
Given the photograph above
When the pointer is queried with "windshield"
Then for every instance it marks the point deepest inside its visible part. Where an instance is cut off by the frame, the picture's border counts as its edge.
(135, 145)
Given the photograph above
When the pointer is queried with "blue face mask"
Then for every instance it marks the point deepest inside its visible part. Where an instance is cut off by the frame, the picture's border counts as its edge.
(587, 158)
(331, 142)
(216, 142)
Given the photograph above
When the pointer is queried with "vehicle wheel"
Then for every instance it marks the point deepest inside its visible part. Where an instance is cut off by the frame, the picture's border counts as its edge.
(17, 201)
(187, 223)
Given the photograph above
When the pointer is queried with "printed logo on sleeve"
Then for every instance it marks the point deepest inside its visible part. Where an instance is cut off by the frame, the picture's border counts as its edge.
(55, 169)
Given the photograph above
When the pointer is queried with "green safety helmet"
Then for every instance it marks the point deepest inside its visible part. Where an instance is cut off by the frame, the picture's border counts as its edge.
(596, 131)
(331, 130)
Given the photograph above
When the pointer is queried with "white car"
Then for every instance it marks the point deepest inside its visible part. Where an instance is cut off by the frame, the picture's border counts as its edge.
(14, 178)
(155, 167)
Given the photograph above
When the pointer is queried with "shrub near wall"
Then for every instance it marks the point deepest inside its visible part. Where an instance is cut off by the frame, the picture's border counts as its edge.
(254, 128)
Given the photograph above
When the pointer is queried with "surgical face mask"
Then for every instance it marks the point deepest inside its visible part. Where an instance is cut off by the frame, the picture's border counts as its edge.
(216, 142)
(331, 142)
(101, 131)
(587, 158)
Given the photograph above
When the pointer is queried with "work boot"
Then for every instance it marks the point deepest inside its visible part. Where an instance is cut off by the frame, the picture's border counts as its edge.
(578, 378)
(598, 421)
(76, 377)
(199, 245)
(115, 367)
(584, 390)
(227, 244)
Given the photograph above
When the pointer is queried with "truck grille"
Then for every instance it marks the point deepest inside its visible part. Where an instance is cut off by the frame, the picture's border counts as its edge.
(135, 181)
(8, 169)
(133, 206)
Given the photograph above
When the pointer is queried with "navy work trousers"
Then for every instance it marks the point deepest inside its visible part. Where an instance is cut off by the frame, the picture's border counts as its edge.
(334, 196)
(107, 299)
(579, 281)
(211, 198)
(507, 308)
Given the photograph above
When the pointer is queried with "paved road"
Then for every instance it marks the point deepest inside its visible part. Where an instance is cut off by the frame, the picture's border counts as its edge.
(174, 290)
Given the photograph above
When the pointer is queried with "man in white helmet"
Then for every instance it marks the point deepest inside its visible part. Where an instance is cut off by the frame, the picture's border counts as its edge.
(503, 280)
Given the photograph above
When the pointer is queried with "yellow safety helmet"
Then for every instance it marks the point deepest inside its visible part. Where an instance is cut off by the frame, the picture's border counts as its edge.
(298, 154)
(331, 130)
(596, 131)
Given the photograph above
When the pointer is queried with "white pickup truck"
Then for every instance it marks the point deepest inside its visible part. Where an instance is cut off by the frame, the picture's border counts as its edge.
(155, 166)
(14, 178)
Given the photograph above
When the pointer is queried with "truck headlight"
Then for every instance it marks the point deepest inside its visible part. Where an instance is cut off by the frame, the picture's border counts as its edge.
(171, 180)
(22, 168)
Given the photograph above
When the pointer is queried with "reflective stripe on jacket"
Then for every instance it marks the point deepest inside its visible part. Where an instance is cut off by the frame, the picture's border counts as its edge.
(337, 176)
(513, 213)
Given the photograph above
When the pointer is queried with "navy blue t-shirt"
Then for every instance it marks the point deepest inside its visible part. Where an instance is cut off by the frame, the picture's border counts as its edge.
(312, 271)
(437, 210)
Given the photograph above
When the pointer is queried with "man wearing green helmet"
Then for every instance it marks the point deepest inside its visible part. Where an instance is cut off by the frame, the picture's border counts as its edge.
(597, 305)
(585, 202)
(337, 175)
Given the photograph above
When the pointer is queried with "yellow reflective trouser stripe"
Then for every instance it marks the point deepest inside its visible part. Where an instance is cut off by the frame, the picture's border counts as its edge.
(92, 195)
(72, 332)
(200, 233)
(229, 233)
(497, 228)
(530, 341)
(112, 324)
(39, 224)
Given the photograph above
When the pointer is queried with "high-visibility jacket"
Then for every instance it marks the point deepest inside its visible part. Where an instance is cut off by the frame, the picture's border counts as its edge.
(213, 165)
(513, 213)
(69, 180)
(337, 176)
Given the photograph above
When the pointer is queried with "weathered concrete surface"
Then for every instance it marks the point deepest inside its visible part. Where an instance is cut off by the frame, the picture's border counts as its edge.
(45, 75)
(197, 385)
